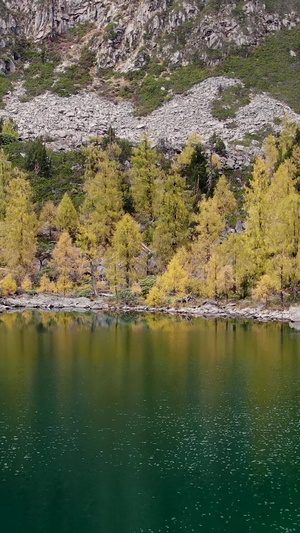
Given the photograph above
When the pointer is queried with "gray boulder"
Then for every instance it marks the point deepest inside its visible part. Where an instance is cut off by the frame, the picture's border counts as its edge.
(295, 314)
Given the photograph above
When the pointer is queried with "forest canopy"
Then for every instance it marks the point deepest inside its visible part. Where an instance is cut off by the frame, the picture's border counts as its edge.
(137, 224)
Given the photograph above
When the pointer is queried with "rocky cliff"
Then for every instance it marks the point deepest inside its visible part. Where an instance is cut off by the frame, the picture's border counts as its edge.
(129, 33)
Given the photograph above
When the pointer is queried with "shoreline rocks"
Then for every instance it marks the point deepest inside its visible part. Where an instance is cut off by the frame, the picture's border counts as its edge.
(295, 317)
(209, 309)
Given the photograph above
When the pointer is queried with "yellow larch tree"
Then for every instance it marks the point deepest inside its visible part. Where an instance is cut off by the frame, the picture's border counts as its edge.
(47, 218)
(124, 261)
(283, 227)
(173, 283)
(65, 262)
(103, 205)
(46, 285)
(66, 216)
(219, 276)
(19, 229)
(87, 242)
(174, 212)
(145, 175)
(7, 173)
(256, 206)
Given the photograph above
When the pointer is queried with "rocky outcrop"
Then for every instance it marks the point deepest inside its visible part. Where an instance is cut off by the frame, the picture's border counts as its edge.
(295, 314)
(39, 19)
(72, 121)
(130, 32)
(295, 317)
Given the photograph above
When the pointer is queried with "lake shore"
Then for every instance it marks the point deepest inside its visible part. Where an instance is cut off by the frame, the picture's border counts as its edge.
(207, 309)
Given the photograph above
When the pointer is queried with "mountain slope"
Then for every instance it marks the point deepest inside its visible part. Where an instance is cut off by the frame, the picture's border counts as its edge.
(147, 51)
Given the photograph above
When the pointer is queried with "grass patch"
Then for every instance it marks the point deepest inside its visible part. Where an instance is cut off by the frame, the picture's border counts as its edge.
(271, 68)
(149, 88)
(110, 30)
(151, 94)
(40, 76)
(77, 76)
(230, 101)
(281, 7)
(185, 77)
(5, 86)
(258, 137)
(79, 32)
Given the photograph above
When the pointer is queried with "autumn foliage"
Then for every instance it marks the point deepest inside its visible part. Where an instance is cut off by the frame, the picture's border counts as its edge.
(147, 220)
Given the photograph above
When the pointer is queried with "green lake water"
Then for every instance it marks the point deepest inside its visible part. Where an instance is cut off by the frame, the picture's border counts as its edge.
(125, 424)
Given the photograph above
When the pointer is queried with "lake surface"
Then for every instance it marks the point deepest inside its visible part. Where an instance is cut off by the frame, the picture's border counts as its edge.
(124, 424)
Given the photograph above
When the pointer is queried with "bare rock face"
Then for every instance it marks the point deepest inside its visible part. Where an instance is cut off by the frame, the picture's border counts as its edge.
(131, 31)
(37, 19)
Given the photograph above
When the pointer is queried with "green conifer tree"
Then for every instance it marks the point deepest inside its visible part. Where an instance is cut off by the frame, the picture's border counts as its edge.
(37, 159)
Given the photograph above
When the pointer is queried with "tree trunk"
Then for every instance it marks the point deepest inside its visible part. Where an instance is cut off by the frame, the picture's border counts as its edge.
(94, 279)
(281, 299)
